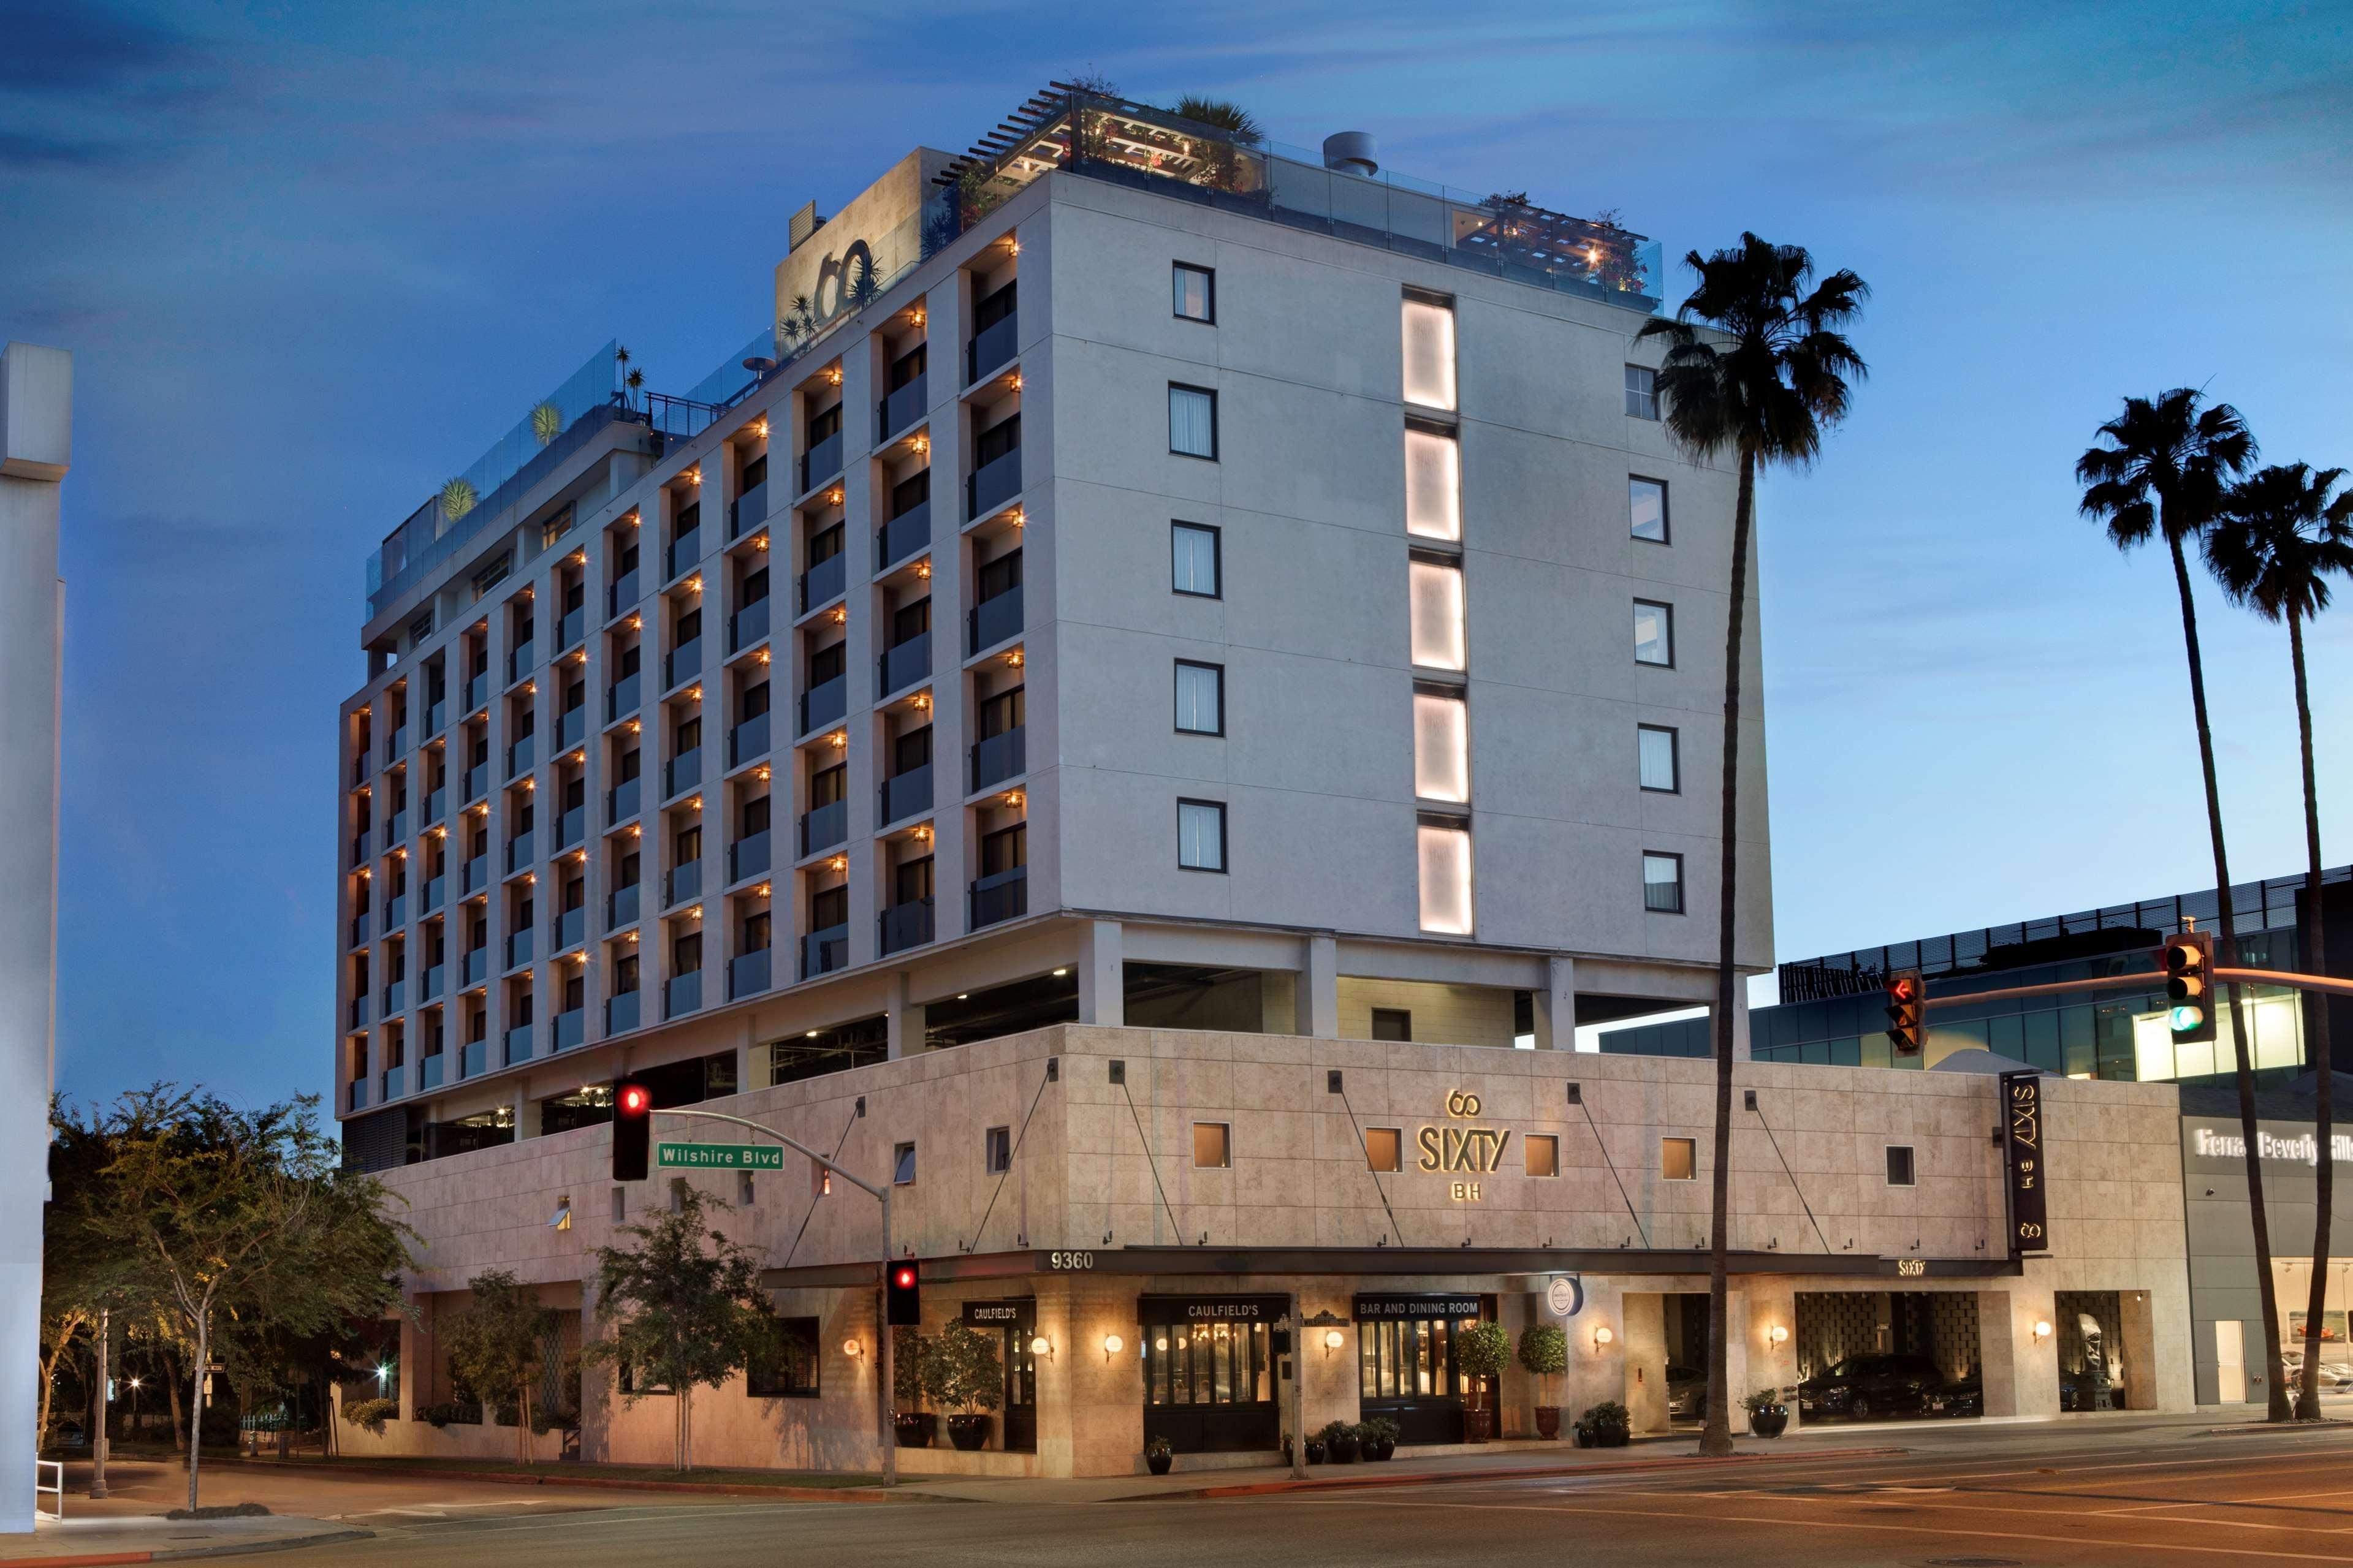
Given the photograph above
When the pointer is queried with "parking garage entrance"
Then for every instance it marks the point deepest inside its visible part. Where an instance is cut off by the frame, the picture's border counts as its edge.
(1888, 1355)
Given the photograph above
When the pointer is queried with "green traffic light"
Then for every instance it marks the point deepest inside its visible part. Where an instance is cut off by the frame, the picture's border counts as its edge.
(2184, 1019)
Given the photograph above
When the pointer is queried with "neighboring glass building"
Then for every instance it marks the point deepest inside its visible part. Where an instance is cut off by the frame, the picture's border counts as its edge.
(1832, 1011)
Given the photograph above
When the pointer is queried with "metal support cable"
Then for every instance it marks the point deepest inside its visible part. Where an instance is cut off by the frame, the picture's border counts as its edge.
(1374, 1174)
(841, 1144)
(1175, 1229)
(1759, 1112)
(1011, 1155)
(1614, 1176)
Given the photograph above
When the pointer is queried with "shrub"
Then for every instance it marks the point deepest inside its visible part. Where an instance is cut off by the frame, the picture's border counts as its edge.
(1607, 1414)
(1764, 1399)
(1482, 1350)
(439, 1416)
(970, 1377)
(1544, 1351)
(1332, 1432)
(372, 1413)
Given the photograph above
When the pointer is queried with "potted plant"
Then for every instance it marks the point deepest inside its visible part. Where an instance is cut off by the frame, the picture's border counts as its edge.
(1544, 1351)
(1380, 1437)
(1159, 1455)
(1481, 1353)
(1604, 1425)
(1339, 1442)
(970, 1378)
(913, 1379)
(1315, 1448)
(1767, 1417)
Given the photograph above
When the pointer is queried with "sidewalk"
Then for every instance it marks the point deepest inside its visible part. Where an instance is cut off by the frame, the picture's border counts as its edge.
(132, 1538)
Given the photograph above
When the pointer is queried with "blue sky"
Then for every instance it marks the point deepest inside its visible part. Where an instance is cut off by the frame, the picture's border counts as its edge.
(312, 259)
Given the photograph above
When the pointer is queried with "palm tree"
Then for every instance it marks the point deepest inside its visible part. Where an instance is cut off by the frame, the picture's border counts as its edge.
(1765, 384)
(2163, 470)
(1221, 113)
(2279, 537)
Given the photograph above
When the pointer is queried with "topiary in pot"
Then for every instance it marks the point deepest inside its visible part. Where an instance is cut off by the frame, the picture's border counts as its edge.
(1340, 1442)
(1481, 1352)
(1544, 1351)
(1158, 1455)
(1381, 1435)
(971, 1378)
(914, 1379)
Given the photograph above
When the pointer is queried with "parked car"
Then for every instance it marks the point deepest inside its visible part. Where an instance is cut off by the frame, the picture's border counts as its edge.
(1864, 1386)
(1686, 1394)
(1961, 1396)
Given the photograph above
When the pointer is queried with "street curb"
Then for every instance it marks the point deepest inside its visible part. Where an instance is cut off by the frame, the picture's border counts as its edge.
(1520, 1473)
(177, 1553)
(608, 1483)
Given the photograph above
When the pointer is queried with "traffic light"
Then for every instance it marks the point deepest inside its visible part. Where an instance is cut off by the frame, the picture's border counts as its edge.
(2188, 962)
(633, 1127)
(904, 1297)
(1907, 1012)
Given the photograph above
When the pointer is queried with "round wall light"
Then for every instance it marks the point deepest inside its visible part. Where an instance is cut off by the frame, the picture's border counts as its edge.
(1602, 1337)
(1112, 1345)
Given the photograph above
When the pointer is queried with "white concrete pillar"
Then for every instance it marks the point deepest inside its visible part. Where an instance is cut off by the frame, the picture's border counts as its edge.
(36, 450)
(1103, 984)
(1556, 1006)
(1740, 1018)
(1319, 988)
(902, 1019)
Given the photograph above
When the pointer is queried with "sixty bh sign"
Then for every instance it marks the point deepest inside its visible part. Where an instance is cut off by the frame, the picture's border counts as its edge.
(1470, 1151)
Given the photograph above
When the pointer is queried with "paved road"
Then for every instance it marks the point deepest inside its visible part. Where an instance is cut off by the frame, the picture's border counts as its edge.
(2046, 1497)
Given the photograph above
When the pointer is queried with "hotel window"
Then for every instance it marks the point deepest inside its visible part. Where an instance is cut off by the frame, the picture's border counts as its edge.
(1899, 1165)
(1441, 745)
(1392, 1024)
(1660, 768)
(1642, 392)
(1679, 1159)
(1194, 552)
(1201, 835)
(1193, 421)
(1541, 1151)
(1646, 509)
(1434, 611)
(1384, 1149)
(1444, 845)
(1433, 483)
(1212, 1145)
(1430, 351)
(783, 1364)
(1200, 697)
(1194, 291)
(1662, 883)
(1654, 632)
(902, 1166)
(999, 1148)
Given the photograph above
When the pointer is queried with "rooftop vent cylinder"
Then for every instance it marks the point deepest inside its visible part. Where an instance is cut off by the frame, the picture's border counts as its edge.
(1351, 152)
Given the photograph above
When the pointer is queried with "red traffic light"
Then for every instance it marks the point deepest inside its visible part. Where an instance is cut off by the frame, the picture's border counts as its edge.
(1904, 987)
(635, 1099)
(633, 1128)
(903, 1277)
(902, 1297)
(1908, 1023)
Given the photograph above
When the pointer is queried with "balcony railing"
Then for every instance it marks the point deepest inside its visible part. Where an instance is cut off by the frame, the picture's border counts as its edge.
(820, 462)
(747, 973)
(747, 626)
(822, 582)
(356, 1095)
(1000, 757)
(823, 952)
(621, 1012)
(520, 853)
(571, 728)
(395, 913)
(748, 857)
(683, 663)
(477, 783)
(519, 949)
(906, 794)
(395, 829)
(747, 511)
(396, 745)
(904, 664)
(428, 1071)
(903, 535)
(622, 697)
(473, 1058)
(621, 907)
(992, 485)
(570, 1029)
(436, 806)
(520, 755)
(623, 594)
(570, 929)
(906, 926)
(477, 692)
(823, 705)
(990, 347)
(684, 552)
(993, 621)
(359, 846)
(825, 827)
(684, 883)
(358, 1013)
(1002, 896)
(748, 740)
(435, 887)
(682, 773)
(571, 826)
(902, 408)
(394, 998)
(359, 929)
(435, 712)
(621, 802)
(394, 1083)
(521, 660)
(429, 986)
(569, 628)
(682, 995)
(518, 1044)
(474, 968)
(478, 874)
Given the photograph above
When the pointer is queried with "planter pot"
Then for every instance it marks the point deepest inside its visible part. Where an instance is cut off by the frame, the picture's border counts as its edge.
(1547, 1420)
(1584, 1437)
(1478, 1425)
(1769, 1423)
(916, 1428)
(1383, 1448)
(1315, 1450)
(969, 1432)
(1342, 1450)
(1610, 1437)
(1159, 1463)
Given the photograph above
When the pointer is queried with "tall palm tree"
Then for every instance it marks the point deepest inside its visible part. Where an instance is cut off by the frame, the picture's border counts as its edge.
(1764, 384)
(2280, 536)
(2163, 469)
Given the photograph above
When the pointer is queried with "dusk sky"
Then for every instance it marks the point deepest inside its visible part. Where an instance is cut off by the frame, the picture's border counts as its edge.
(312, 259)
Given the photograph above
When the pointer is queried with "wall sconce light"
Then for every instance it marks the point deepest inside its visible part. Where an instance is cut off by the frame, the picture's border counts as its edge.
(923, 568)
(531, 688)
(917, 317)
(763, 775)
(1333, 1340)
(923, 834)
(692, 476)
(839, 739)
(833, 496)
(1012, 245)
(765, 890)
(922, 444)
(694, 584)
(763, 656)
(924, 701)
(2041, 1330)
(1018, 517)
(1602, 1337)
(530, 783)
(839, 863)
(833, 376)
(637, 830)
(695, 695)
(1017, 658)
(1015, 383)
(531, 878)
(1042, 1346)
(760, 541)
(760, 428)
(1112, 1345)
(1777, 1335)
(852, 1348)
(636, 622)
(694, 804)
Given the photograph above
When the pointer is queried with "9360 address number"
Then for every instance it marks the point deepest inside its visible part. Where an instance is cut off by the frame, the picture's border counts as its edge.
(1064, 1261)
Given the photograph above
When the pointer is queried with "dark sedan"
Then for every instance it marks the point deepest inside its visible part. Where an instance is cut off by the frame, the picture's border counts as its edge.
(1864, 1387)
(1686, 1394)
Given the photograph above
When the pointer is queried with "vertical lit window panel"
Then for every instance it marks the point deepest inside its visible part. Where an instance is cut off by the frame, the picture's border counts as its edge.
(1646, 506)
(1428, 355)
(1441, 747)
(1435, 593)
(1662, 883)
(1445, 880)
(1433, 485)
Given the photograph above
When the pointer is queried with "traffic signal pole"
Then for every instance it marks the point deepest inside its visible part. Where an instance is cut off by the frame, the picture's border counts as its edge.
(2155, 978)
(884, 1360)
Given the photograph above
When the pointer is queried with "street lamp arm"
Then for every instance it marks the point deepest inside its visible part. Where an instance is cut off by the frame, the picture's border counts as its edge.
(789, 1142)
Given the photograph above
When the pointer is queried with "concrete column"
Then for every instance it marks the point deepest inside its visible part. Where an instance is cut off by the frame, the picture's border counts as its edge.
(1739, 1344)
(1595, 1373)
(36, 450)
(1644, 1339)
(526, 1115)
(903, 1017)
(1740, 1018)
(1102, 987)
(1772, 1304)
(1319, 988)
(1556, 1006)
(2139, 1332)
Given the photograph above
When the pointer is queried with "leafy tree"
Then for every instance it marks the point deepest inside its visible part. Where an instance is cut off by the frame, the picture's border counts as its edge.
(1482, 1350)
(497, 1343)
(1764, 385)
(971, 1378)
(2162, 469)
(685, 1306)
(244, 1224)
(1544, 1351)
(2280, 537)
(918, 1378)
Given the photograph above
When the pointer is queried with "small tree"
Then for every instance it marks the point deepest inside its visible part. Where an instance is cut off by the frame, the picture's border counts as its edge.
(685, 1306)
(1544, 1351)
(1483, 1351)
(970, 1376)
(497, 1343)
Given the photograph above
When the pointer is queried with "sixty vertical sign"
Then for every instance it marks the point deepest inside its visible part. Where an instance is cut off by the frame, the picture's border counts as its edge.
(2021, 1137)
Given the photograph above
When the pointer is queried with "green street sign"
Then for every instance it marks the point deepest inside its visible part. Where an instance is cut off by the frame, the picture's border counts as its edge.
(719, 1156)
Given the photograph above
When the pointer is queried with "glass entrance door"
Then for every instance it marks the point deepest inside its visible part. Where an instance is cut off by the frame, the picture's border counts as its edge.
(1209, 1387)
(1405, 1371)
(1020, 1390)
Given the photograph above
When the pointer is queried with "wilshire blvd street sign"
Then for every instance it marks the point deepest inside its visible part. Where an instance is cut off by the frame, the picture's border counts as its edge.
(720, 1156)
